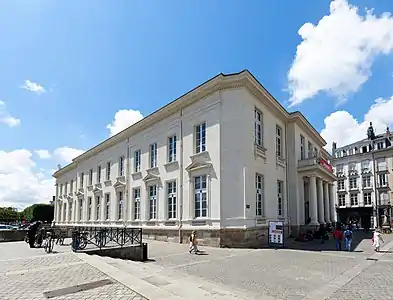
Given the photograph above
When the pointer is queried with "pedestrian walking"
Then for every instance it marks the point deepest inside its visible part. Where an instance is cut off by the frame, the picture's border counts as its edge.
(348, 235)
(338, 237)
(377, 239)
(193, 242)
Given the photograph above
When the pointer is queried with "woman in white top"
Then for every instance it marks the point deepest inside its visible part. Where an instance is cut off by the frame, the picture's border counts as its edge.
(377, 239)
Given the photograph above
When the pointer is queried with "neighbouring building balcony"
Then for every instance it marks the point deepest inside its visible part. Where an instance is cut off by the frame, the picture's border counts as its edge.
(316, 165)
(385, 201)
(382, 168)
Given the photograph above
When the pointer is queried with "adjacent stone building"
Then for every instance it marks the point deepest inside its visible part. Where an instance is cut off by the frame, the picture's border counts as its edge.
(364, 171)
(224, 159)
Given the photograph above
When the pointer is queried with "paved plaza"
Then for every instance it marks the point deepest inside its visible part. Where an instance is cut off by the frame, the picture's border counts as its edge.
(172, 273)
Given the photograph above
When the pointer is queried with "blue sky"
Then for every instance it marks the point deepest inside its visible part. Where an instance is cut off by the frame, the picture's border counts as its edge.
(94, 58)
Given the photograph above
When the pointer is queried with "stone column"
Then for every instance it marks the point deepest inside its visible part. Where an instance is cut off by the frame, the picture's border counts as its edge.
(332, 204)
(67, 208)
(326, 201)
(321, 213)
(93, 208)
(313, 201)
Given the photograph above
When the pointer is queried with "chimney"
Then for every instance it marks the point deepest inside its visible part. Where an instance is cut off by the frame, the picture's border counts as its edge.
(334, 147)
(387, 132)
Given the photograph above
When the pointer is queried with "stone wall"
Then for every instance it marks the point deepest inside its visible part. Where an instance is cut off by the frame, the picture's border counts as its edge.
(12, 235)
(229, 238)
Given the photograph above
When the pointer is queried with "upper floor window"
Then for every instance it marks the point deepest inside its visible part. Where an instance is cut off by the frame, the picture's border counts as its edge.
(352, 166)
(200, 138)
(383, 180)
(341, 199)
(137, 161)
(172, 148)
(354, 199)
(153, 155)
(258, 127)
(121, 166)
(340, 185)
(90, 176)
(339, 169)
(366, 164)
(108, 170)
(366, 181)
(353, 184)
(381, 164)
(380, 145)
(310, 149)
(302, 148)
(82, 179)
(278, 141)
(98, 174)
(367, 198)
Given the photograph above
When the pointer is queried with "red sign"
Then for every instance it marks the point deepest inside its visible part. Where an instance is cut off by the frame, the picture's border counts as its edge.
(325, 164)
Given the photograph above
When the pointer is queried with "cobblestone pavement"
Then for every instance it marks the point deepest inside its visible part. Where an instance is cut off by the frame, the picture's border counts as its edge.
(27, 273)
(281, 274)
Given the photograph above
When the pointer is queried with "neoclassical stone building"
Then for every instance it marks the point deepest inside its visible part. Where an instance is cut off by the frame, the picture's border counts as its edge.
(224, 159)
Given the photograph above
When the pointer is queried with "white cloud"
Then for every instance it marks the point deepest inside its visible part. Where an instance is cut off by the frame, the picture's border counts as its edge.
(343, 128)
(43, 154)
(336, 55)
(21, 184)
(33, 87)
(6, 118)
(67, 154)
(123, 119)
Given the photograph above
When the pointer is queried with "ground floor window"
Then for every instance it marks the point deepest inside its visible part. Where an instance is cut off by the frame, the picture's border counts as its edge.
(64, 211)
(200, 196)
(280, 202)
(341, 199)
(107, 205)
(171, 199)
(152, 202)
(69, 211)
(259, 190)
(137, 203)
(98, 205)
(120, 204)
(367, 198)
(89, 203)
(80, 210)
(354, 199)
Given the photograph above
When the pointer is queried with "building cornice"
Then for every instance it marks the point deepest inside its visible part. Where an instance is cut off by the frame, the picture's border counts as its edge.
(217, 83)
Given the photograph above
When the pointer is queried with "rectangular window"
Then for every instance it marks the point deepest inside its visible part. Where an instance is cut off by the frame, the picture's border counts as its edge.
(384, 198)
(280, 202)
(90, 176)
(367, 198)
(353, 183)
(259, 186)
(352, 166)
(172, 148)
(310, 150)
(120, 205)
(121, 166)
(200, 138)
(380, 145)
(278, 141)
(153, 202)
(71, 186)
(171, 199)
(137, 161)
(341, 199)
(366, 181)
(339, 169)
(153, 155)
(383, 180)
(89, 204)
(80, 210)
(82, 177)
(258, 127)
(107, 206)
(200, 196)
(381, 164)
(137, 204)
(302, 148)
(98, 174)
(98, 206)
(341, 185)
(70, 211)
(354, 200)
(108, 170)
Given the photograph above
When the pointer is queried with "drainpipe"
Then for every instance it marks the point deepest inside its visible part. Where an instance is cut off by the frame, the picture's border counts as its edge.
(181, 178)
(126, 196)
(376, 212)
(286, 181)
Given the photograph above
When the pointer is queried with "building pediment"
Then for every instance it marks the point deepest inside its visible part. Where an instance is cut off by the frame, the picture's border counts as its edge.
(197, 165)
(151, 177)
(119, 183)
(97, 188)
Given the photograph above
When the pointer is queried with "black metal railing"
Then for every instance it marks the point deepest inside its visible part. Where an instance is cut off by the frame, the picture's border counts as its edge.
(100, 237)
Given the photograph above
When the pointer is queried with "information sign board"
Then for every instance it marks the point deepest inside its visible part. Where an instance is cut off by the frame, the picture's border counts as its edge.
(276, 233)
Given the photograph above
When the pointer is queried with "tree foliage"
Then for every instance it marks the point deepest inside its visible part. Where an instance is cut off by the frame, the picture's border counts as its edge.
(41, 212)
(8, 214)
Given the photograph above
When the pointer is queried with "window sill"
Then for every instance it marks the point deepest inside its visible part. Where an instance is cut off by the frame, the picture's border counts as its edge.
(260, 151)
(280, 161)
(90, 187)
(108, 182)
(172, 163)
(152, 170)
(203, 154)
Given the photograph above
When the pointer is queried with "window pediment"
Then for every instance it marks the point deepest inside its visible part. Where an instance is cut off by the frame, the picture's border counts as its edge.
(197, 165)
(150, 177)
(119, 184)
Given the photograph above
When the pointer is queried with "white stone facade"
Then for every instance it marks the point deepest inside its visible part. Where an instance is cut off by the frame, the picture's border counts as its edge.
(226, 155)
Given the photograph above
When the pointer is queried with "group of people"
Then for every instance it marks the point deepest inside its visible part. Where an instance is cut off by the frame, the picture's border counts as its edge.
(346, 236)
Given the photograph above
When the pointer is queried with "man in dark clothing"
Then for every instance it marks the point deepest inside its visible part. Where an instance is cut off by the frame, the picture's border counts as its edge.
(31, 232)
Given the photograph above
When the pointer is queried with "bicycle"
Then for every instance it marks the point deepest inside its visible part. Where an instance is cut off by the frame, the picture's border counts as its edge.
(49, 242)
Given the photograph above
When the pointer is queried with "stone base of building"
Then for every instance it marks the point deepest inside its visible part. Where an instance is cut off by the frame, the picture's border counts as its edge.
(225, 238)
